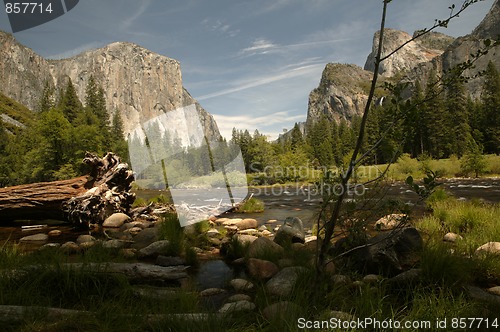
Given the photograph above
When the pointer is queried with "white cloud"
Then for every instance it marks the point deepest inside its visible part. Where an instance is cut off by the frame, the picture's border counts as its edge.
(262, 80)
(259, 46)
(144, 4)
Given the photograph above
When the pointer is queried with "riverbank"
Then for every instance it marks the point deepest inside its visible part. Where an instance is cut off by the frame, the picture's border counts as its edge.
(266, 283)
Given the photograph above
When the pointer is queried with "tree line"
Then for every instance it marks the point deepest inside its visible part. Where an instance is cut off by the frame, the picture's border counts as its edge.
(53, 145)
(438, 121)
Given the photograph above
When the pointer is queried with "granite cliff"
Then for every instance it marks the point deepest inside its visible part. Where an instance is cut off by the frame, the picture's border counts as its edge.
(140, 84)
(343, 89)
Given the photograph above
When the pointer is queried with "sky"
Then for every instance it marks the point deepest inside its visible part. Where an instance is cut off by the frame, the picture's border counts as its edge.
(250, 63)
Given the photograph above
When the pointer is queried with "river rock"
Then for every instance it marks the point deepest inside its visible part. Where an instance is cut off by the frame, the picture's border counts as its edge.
(154, 249)
(452, 237)
(245, 239)
(55, 233)
(145, 238)
(211, 292)
(262, 228)
(247, 223)
(41, 237)
(85, 238)
(282, 311)
(249, 231)
(231, 222)
(134, 230)
(239, 306)
(116, 220)
(490, 247)
(283, 282)
(390, 221)
(494, 290)
(70, 247)
(50, 246)
(264, 247)
(291, 231)
(128, 253)
(261, 269)
(241, 285)
(113, 244)
(213, 232)
(391, 252)
(266, 233)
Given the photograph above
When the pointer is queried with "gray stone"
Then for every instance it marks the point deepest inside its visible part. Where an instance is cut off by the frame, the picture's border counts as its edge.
(261, 269)
(291, 231)
(494, 290)
(128, 252)
(169, 261)
(239, 306)
(245, 239)
(116, 220)
(213, 232)
(283, 282)
(55, 233)
(231, 222)
(154, 249)
(264, 247)
(35, 238)
(85, 238)
(281, 311)
(249, 231)
(212, 292)
(145, 238)
(50, 246)
(113, 244)
(241, 285)
(452, 237)
(246, 224)
(134, 230)
(70, 247)
(490, 247)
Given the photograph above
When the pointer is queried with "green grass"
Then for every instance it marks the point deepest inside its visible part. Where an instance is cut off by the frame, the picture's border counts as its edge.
(251, 205)
(15, 111)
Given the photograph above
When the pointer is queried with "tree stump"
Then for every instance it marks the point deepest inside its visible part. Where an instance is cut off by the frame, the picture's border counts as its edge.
(84, 200)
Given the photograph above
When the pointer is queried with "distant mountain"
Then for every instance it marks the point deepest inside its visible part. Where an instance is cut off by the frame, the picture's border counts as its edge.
(343, 89)
(140, 84)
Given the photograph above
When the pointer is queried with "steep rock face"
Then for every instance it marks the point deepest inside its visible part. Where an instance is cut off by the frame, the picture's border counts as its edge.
(415, 52)
(22, 72)
(342, 93)
(489, 26)
(140, 84)
(343, 89)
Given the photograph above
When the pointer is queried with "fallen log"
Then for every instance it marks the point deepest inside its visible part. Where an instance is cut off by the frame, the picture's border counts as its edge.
(84, 200)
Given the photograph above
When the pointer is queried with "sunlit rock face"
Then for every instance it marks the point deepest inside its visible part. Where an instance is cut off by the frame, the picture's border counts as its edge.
(140, 84)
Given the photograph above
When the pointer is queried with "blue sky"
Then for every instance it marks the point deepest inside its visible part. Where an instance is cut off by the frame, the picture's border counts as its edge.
(251, 63)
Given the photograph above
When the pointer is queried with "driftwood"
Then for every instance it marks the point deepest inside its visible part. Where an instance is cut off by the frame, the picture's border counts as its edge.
(82, 201)
(132, 271)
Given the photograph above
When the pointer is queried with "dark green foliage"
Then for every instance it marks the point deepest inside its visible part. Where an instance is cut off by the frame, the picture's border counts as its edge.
(69, 104)
(490, 102)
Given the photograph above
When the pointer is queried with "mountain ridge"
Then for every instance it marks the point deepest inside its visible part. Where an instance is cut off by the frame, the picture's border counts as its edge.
(139, 83)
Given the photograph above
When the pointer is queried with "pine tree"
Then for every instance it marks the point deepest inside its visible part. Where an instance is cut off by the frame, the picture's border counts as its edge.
(118, 143)
(490, 98)
(47, 99)
(95, 103)
(435, 118)
(70, 104)
(459, 128)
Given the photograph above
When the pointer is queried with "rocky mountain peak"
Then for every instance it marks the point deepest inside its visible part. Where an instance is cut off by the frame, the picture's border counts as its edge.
(137, 82)
(415, 52)
(490, 25)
